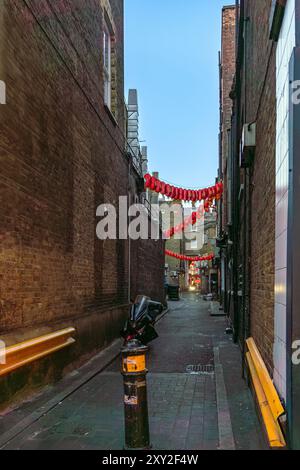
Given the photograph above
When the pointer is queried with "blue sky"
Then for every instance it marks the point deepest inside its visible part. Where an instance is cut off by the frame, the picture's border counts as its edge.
(171, 57)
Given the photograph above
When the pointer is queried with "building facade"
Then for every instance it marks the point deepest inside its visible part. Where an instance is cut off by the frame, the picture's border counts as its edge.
(209, 269)
(63, 142)
(175, 268)
(200, 240)
(260, 247)
(227, 64)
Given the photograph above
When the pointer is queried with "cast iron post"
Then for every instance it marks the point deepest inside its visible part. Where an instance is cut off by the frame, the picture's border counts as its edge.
(135, 395)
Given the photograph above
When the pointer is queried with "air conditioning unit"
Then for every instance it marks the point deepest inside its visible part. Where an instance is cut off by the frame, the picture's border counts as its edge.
(248, 144)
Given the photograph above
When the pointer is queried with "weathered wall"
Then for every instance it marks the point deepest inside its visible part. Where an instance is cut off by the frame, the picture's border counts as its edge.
(259, 104)
(228, 60)
(227, 72)
(61, 155)
(58, 148)
(148, 270)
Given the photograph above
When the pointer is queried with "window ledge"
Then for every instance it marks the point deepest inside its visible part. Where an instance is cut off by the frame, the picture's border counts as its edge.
(110, 115)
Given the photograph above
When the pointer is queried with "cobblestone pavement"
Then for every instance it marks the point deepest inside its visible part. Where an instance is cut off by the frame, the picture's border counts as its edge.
(204, 407)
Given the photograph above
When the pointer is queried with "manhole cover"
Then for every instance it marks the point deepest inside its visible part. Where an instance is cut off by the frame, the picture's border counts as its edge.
(200, 369)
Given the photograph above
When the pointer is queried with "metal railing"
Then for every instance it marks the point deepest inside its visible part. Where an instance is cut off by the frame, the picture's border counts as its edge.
(136, 159)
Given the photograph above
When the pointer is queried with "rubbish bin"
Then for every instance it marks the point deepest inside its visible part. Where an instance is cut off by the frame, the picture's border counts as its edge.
(173, 292)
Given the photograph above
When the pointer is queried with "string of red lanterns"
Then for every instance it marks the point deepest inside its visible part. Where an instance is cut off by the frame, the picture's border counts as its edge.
(180, 194)
(192, 220)
(181, 227)
(189, 258)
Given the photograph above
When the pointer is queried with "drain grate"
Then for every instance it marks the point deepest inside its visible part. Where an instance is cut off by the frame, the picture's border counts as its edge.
(200, 369)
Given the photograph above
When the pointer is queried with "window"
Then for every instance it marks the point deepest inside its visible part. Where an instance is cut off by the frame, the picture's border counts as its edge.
(107, 65)
(194, 244)
(2, 92)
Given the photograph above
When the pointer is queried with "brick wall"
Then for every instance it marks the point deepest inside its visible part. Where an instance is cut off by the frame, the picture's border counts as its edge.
(228, 55)
(148, 273)
(58, 147)
(259, 103)
(263, 224)
(147, 267)
(61, 156)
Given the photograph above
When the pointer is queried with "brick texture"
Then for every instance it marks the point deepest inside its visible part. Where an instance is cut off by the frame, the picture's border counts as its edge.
(255, 101)
(61, 155)
(228, 61)
(259, 87)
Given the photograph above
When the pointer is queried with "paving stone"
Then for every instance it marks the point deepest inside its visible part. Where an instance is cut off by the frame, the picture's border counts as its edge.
(183, 409)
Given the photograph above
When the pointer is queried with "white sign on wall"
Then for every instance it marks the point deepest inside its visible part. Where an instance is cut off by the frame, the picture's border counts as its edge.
(2, 92)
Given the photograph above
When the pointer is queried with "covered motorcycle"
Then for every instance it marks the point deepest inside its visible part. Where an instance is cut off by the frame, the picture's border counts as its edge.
(141, 321)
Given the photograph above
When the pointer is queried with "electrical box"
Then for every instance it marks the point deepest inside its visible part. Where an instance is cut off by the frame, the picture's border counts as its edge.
(248, 144)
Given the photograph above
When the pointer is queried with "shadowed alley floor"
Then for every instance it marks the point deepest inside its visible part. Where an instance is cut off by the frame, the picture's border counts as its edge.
(204, 407)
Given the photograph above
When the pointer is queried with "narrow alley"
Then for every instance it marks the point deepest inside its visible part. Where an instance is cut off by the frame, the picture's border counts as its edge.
(207, 407)
(149, 255)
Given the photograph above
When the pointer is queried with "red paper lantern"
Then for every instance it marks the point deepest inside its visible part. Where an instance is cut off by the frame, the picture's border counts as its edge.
(148, 180)
(152, 183)
(183, 194)
(157, 186)
(168, 190)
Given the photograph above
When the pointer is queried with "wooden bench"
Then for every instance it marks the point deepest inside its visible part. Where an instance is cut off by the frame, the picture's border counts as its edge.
(29, 351)
(267, 397)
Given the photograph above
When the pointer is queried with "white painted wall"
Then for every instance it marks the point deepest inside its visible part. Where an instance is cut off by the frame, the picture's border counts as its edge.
(286, 43)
